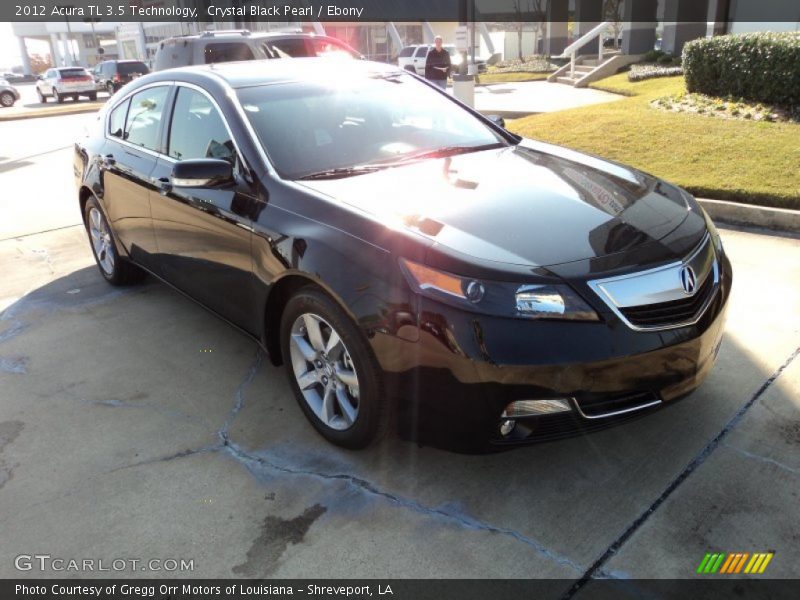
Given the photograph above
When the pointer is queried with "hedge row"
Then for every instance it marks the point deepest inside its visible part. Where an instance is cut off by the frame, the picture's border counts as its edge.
(763, 67)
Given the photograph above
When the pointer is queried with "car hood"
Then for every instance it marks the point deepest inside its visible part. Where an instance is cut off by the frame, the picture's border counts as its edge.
(532, 204)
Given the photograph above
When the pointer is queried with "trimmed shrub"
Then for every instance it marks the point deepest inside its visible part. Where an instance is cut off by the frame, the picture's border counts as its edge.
(652, 56)
(665, 59)
(763, 67)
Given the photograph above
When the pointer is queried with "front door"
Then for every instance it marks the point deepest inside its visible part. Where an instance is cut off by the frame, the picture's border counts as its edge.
(204, 233)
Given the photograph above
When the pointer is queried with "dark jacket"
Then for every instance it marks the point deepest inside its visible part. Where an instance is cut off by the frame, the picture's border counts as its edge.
(437, 59)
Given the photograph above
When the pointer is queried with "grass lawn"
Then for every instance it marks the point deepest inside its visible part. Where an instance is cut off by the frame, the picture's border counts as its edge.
(511, 77)
(743, 161)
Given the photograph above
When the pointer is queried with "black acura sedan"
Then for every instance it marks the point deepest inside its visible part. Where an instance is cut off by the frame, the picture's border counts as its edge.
(397, 251)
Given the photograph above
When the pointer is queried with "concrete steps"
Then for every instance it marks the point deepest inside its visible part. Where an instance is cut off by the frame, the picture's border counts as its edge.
(587, 70)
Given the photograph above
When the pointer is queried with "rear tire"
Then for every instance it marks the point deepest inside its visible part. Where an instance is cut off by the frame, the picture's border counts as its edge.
(7, 99)
(92, 96)
(75, 98)
(327, 354)
(110, 88)
(114, 268)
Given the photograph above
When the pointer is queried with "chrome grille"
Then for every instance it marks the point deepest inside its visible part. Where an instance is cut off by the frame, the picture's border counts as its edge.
(668, 313)
(655, 299)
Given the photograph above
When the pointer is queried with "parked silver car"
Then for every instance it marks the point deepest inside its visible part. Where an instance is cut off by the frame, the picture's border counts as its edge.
(63, 82)
(8, 94)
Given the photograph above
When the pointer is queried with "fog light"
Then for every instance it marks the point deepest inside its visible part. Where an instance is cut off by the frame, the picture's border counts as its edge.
(506, 427)
(532, 408)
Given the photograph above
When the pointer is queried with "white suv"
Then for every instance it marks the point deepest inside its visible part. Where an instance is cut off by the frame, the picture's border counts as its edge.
(65, 82)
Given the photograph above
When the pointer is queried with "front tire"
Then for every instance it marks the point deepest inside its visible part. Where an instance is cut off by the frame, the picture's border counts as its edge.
(115, 269)
(42, 97)
(57, 97)
(7, 99)
(333, 374)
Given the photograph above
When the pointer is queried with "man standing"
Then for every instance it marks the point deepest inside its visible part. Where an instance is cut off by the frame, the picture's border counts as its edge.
(437, 65)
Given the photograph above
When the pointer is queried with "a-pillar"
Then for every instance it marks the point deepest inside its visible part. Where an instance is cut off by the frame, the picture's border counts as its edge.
(684, 20)
(557, 22)
(639, 34)
(588, 15)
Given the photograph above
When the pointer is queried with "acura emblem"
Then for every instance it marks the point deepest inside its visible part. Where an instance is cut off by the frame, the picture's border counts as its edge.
(688, 280)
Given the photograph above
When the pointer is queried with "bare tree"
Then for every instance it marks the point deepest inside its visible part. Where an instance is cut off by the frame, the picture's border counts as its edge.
(612, 12)
(522, 9)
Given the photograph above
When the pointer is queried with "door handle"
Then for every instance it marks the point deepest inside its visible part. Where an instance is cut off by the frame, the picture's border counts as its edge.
(164, 185)
(108, 160)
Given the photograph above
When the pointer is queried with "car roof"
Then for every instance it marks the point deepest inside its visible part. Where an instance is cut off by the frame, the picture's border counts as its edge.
(276, 70)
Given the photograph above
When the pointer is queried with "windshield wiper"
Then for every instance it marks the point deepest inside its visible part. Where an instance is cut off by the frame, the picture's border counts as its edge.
(341, 172)
(443, 152)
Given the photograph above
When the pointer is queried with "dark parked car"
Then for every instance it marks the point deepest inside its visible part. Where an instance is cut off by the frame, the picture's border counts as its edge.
(386, 243)
(240, 44)
(110, 75)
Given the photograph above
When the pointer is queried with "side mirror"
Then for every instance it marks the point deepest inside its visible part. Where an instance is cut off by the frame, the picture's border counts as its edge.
(497, 120)
(201, 172)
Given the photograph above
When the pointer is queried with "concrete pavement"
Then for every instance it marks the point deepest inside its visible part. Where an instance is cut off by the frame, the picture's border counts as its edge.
(114, 405)
(515, 100)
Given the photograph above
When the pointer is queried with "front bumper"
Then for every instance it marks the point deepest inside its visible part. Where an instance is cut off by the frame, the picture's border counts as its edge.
(466, 368)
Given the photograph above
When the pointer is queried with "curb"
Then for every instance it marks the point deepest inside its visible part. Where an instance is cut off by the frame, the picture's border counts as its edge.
(733, 213)
(70, 110)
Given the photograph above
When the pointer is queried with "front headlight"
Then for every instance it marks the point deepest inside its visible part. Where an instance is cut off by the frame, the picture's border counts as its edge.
(504, 299)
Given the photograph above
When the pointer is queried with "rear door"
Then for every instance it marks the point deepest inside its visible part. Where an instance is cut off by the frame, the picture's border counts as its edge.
(48, 81)
(131, 153)
(420, 58)
(204, 234)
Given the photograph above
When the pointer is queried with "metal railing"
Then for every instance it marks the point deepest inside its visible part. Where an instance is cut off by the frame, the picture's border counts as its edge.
(571, 51)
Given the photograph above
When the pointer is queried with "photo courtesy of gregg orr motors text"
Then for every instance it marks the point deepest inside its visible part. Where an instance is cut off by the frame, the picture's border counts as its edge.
(150, 591)
(49, 563)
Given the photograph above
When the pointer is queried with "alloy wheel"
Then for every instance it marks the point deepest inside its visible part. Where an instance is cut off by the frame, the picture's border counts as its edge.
(101, 241)
(6, 99)
(324, 371)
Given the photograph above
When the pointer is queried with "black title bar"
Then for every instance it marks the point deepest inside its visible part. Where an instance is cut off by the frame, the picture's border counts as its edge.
(240, 12)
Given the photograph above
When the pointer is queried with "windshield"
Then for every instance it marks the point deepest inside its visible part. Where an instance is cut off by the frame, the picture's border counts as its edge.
(312, 127)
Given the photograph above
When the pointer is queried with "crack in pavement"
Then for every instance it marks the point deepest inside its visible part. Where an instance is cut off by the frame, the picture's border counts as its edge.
(367, 487)
(699, 459)
(252, 460)
(763, 459)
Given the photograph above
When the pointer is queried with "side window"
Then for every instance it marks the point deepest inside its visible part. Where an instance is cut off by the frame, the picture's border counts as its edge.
(289, 47)
(227, 52)
(329, 47)
(144, 117)
(197, 129)
(422, 52)
(116, 120)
